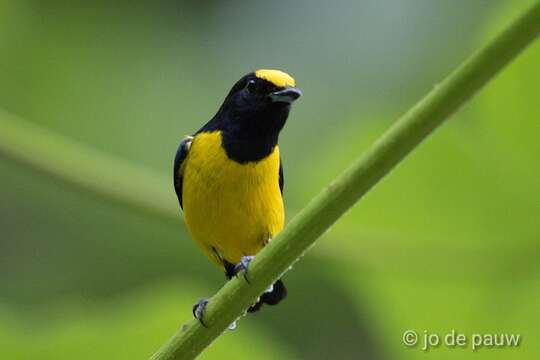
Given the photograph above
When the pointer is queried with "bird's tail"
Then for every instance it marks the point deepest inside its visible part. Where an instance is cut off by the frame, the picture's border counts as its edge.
(274, 297)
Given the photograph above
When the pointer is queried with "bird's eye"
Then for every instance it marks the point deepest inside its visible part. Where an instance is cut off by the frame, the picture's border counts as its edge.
(251, 86)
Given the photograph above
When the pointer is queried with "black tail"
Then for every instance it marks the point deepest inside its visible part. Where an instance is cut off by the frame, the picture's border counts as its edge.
(278, 293)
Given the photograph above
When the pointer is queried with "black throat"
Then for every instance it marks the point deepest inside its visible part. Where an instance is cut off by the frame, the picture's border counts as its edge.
(243, 150)
(248, 136)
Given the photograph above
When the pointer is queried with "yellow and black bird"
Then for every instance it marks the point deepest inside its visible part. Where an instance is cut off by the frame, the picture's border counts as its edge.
(228, 176)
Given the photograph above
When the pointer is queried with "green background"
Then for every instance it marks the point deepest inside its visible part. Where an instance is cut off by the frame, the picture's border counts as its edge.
(450, 240)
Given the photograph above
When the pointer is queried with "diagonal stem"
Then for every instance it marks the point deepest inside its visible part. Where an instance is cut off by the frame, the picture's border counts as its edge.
(86, 168)
(300, 234)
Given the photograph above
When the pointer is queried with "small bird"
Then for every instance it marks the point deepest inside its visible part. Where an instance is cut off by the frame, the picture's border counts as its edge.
(228, 177)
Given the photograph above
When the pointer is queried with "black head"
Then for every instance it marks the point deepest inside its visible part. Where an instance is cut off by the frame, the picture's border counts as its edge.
(253, 114)
(258, 104)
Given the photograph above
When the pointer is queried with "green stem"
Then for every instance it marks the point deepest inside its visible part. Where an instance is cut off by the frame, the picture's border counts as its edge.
(232, 300)
(86, 168)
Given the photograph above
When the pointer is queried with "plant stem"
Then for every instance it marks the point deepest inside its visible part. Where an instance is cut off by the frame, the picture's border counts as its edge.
(86, 168)
(446, 98)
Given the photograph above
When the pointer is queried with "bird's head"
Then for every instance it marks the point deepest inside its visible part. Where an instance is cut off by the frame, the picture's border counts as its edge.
(259, 103)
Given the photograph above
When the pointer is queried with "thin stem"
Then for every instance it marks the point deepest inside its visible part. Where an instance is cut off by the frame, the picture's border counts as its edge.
(86, 168)
(446, 98)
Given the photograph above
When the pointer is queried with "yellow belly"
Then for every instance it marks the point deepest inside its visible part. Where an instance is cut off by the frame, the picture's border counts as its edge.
(230, 209)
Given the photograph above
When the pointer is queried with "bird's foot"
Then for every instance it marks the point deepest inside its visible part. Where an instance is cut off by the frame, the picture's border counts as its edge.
(198, 310)
(243, 265)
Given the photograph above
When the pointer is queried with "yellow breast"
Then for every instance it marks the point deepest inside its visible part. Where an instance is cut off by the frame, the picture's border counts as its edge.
(231, 209)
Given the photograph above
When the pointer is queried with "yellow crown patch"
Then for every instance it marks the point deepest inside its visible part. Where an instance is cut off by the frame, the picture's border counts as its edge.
(276, 77)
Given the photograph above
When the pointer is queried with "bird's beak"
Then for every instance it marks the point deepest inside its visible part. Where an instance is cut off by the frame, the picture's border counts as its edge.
(287, 95)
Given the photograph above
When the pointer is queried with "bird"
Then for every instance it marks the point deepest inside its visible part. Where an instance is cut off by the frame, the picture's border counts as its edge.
(228, 177)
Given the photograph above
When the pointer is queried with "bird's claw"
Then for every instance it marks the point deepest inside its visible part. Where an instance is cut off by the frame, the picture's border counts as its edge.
(198, 310)
(243, 265)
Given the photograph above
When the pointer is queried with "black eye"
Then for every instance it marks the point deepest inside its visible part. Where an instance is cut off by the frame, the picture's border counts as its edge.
(251, 86)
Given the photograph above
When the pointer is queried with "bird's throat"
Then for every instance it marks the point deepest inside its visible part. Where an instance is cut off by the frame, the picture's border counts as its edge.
(254, 148)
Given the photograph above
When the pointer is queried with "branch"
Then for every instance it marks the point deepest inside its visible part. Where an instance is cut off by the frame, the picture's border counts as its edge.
(300, 234)
(86, 168)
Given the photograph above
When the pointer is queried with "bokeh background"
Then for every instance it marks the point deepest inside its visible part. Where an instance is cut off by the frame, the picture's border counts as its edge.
(450, 240)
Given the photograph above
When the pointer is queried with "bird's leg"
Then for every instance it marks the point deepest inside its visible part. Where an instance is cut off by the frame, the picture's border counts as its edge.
(243, 265)
(198, 310)
(230, 269)
(270, 289)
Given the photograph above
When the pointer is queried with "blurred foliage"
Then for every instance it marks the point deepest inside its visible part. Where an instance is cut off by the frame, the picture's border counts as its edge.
(448, 241)
(115, 328)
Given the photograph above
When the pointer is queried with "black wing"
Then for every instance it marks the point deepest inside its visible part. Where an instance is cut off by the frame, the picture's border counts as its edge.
(181, 154)
(281, 179)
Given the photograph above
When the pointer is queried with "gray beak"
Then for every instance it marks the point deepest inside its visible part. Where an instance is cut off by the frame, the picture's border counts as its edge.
(287, 95)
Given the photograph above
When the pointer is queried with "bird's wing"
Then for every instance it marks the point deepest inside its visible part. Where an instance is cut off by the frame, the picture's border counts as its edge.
(181, 155)
(281, 178)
